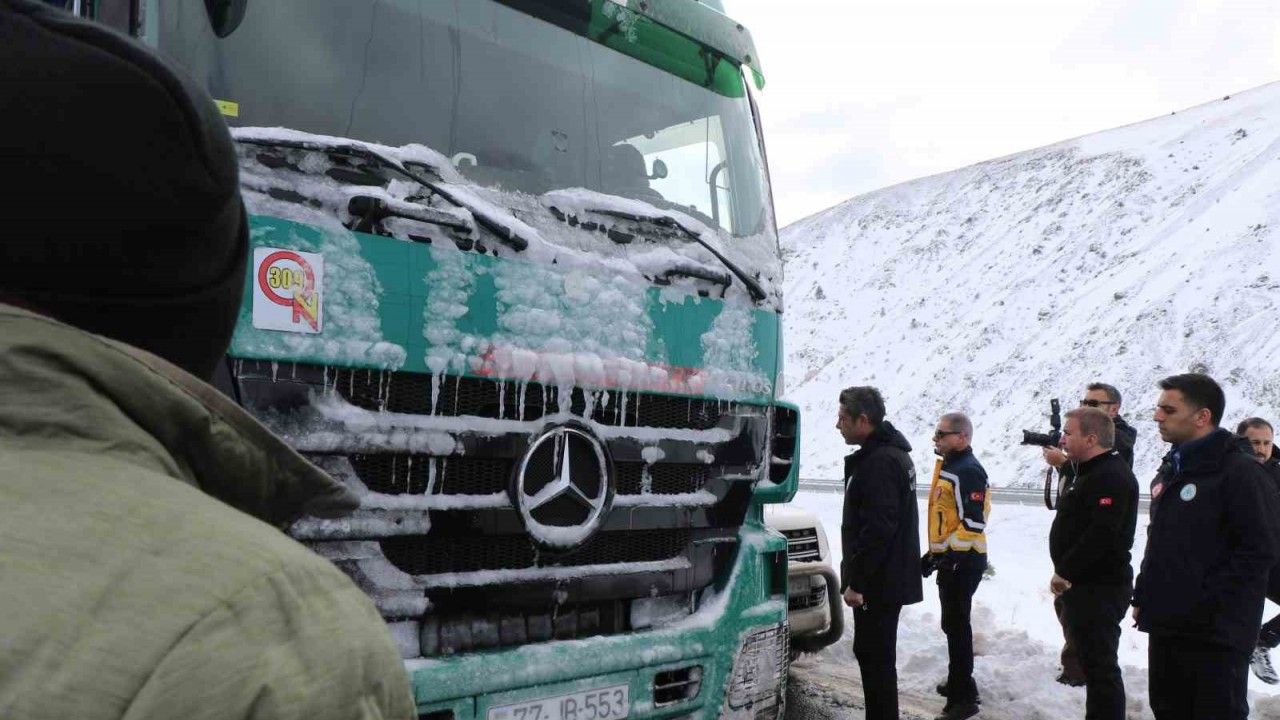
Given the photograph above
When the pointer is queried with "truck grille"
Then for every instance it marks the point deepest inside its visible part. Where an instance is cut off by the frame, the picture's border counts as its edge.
(408, 474)
(664, 478)
(426, 555)
(476, 579)
(405, 474)
(802, 545)
(416, 394)
(450, 632)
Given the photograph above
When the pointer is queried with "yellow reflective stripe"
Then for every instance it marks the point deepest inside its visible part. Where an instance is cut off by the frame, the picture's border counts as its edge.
(955, 542)
(935, 512)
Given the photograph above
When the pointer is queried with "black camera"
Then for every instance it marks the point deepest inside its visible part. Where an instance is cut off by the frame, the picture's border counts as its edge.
(1051, 438)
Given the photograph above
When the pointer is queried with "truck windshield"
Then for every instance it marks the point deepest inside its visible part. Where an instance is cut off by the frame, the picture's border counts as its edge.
(517, 103)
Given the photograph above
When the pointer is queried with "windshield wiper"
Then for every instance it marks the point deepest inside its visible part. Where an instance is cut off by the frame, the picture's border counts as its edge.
(372, 210)
(504, 232)
(756, 292)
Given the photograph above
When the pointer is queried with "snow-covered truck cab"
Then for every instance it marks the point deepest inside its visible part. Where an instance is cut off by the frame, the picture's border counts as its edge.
(515, 282)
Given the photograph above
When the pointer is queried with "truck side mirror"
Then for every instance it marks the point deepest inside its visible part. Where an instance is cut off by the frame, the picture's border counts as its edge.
(659, 170)
(225, 15)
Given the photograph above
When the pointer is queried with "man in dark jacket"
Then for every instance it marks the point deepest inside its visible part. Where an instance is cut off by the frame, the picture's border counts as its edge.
(1210, 547)
(880, 571)
(1261, 438)
(1089, 543)
(1106, 398)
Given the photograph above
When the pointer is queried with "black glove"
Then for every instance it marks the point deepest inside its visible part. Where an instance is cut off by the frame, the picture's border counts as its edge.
(928, 563)
(949, 561)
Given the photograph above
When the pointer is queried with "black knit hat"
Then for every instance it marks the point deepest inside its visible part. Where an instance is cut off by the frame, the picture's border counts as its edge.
(120, 211)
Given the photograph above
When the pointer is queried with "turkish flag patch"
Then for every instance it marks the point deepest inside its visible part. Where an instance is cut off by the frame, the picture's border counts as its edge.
(975, 496)
(1105, 502)
(1157, 489)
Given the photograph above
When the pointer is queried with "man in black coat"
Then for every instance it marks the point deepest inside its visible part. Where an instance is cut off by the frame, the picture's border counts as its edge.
(1106, 398)
(1261, 438)
(1210, 547)
(880, 571)
(1089, 543)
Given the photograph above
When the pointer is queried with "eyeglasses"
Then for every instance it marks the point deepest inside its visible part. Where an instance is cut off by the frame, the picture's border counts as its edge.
(1096, 403)
(938, 435)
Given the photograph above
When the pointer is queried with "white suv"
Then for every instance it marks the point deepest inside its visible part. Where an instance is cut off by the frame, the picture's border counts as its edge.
(814, 610)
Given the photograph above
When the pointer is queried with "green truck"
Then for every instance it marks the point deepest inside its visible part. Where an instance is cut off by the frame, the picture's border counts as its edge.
(515, 280)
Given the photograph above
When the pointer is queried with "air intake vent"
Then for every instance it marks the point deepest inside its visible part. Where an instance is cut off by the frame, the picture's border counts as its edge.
(676, 686)
(785, 428)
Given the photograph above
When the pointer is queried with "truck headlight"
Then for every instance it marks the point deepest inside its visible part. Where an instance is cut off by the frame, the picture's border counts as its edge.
(759, 679)
(658, 611)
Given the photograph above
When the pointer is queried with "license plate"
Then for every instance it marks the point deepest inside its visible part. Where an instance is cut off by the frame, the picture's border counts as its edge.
(609, 703)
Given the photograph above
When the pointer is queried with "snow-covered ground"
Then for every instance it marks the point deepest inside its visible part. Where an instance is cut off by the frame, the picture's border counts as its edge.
(1016, 635)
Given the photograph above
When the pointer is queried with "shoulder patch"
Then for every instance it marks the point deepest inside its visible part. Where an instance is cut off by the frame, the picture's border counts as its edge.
(976, 496)
(1105, 502)
(1157, 489)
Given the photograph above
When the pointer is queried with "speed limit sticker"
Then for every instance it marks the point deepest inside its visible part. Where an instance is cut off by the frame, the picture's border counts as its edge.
(288, 289)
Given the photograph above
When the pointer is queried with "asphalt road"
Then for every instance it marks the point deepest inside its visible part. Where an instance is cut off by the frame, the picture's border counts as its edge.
(820, 689)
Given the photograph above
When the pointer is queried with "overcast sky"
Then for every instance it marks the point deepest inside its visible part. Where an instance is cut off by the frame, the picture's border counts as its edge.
(862, 94)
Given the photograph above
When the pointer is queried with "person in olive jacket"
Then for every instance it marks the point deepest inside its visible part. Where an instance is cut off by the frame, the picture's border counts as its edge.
(880, 570)
(143, 570)
(1210, 546)
(1089, 544)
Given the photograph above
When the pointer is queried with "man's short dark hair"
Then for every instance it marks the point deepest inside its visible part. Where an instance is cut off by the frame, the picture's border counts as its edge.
(1200, 391)
(863, 400)
(1253, 422)
(1113, 394)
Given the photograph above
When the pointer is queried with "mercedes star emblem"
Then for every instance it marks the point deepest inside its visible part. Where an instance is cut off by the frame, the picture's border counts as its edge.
(563, 487)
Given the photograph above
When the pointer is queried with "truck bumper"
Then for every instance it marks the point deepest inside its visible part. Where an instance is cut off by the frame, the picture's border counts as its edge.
(731, 654)
(816, 612)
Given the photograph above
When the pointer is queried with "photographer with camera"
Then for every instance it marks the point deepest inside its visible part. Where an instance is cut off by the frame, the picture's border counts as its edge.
(1089, 544)
(1107, 399)
(959, 505)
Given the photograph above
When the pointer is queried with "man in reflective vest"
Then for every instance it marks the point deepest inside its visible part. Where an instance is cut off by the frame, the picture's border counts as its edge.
(959, 503)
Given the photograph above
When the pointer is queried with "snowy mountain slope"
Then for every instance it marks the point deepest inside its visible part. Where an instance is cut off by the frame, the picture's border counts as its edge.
(1123, 256)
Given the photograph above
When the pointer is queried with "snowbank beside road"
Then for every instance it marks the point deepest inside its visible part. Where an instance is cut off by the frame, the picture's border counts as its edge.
(1016, 636)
